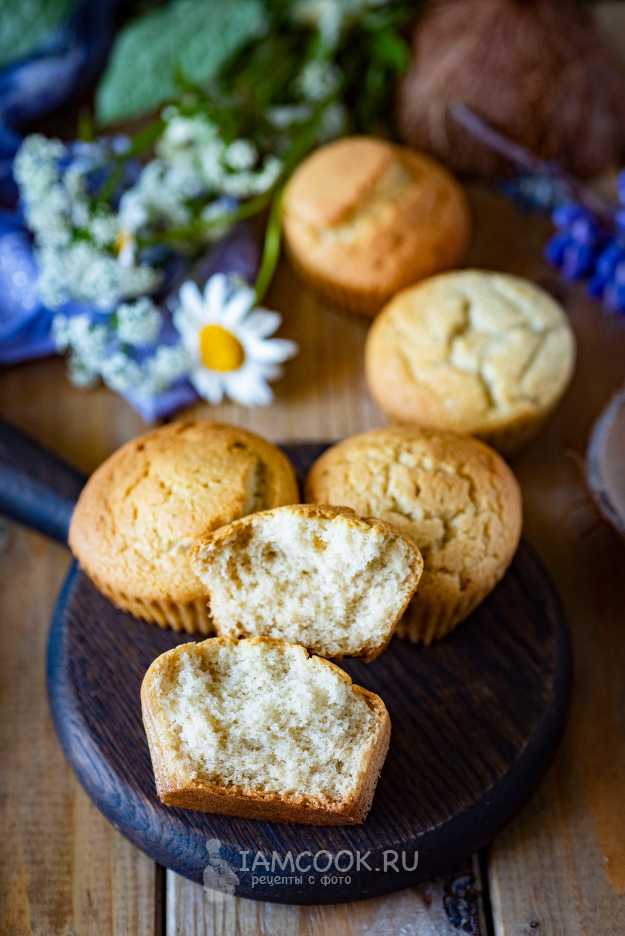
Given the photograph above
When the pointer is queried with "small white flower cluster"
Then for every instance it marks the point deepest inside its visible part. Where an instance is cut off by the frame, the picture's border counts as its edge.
(166, 366)
(138, 323)
(318, 80)
(192, 162)
(334, 119)
(85, 273)
(331, 17)
(87, 344)
(75, 238)
(104, 350)
(192, 147)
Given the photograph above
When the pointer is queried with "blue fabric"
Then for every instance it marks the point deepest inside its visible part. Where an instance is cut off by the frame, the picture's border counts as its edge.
(33, 86)
(30, 88)
(25, 322)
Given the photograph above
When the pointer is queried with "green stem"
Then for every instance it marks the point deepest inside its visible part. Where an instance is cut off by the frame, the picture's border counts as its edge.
(142, 142)
(145, 139)
(86, 130)
(271, 247)
(199, 228)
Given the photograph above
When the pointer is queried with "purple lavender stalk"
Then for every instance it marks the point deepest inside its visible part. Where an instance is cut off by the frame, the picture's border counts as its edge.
(589, 242)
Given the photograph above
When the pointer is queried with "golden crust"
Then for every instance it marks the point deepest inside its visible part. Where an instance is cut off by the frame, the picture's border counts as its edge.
(453, 495)
(144, 506)
(238, 532)
(250, 804)
(363, 218)
(471, 351)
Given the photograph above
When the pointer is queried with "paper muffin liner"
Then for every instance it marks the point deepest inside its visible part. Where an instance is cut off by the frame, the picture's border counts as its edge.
(192, 617)
(512, 438)
(424, 624)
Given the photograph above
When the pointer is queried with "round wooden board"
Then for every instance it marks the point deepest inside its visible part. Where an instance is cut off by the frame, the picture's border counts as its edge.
(475, 722)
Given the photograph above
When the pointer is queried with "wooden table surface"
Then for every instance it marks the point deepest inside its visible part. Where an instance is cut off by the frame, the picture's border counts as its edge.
(558, 870)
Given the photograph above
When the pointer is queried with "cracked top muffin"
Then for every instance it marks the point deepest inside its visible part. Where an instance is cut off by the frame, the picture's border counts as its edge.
(453, 496)
(471, 351)
(141, 511)
(364, 218)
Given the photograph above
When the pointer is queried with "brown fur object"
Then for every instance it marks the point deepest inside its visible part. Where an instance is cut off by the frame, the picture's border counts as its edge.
(537, 71)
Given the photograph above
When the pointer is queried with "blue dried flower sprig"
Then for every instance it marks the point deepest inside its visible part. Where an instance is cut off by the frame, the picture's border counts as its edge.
(589, 248)
(589, 241)
(577, 243)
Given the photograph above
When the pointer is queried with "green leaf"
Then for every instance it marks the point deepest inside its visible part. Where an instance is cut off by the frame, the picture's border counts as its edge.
(192, 38)
(390, 49)
(26, 24)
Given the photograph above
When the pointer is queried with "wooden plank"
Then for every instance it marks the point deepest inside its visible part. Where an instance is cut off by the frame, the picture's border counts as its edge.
(436, 794)
(560, 868)
(63, 868)
(322, 394)
(437, 909)
(562, 864)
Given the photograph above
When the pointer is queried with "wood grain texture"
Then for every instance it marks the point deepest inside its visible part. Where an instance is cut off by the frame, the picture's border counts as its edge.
(573, 834)
(475, 718)
(549, 867)
(441, 907)
(64, 870)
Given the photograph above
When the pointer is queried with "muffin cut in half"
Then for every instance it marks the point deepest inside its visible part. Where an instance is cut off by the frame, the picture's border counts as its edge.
(319, 576)
(141, 511)
(259, 729)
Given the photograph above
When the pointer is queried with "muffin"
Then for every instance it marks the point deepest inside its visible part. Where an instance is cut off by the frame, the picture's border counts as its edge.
(451, 494)
(364, 218)
(141, 511)
(474, 352)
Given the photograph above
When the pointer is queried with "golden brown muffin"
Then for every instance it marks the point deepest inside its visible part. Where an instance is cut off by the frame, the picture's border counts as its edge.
(141, 511)
(474, 352)
(364, 218)
(454, 496)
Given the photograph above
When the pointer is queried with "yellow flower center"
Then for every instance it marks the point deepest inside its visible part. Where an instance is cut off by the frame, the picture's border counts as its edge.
(219, 349)
(123, 239)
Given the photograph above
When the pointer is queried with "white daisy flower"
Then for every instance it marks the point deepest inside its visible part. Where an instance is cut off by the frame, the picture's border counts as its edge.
(227, 338)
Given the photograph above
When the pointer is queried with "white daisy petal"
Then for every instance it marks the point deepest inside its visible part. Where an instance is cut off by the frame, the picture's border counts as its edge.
(248, 388)
(238, 306)
(191, 299)
(187, 329)
(270, 371)
(208, 384)
(263, 394)
(192, 318)
(263, 323)
(272, 350)
(215, 293)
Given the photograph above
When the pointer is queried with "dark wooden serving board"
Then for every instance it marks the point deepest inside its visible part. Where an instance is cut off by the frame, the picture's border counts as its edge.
(475, 722)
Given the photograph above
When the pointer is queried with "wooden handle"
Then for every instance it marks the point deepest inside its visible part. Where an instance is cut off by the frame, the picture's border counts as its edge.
(37, 488)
